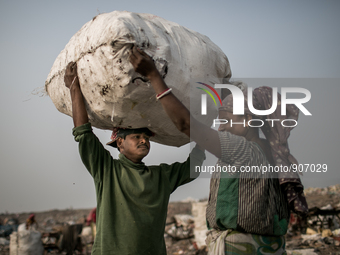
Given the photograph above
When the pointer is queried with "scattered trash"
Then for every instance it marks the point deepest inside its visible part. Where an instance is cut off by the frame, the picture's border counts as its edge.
(318, 233)
(182, 227)
(301, 252)
(4, 241)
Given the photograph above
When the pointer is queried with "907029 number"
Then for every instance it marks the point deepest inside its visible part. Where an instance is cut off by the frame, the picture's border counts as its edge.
(313, 168)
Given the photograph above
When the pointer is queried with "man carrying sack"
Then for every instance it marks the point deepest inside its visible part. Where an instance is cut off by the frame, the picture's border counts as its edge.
(132, 198)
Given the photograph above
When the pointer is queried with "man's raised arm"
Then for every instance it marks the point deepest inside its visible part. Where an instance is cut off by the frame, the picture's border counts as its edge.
(79, 113)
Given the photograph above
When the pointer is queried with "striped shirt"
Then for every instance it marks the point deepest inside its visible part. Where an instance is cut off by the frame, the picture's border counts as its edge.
(250, 202)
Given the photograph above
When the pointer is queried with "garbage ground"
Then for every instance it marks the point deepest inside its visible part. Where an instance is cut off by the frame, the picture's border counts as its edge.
(319, 233)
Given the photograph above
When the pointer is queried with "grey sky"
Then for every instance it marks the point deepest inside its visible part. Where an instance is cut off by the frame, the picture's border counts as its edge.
(39, 162)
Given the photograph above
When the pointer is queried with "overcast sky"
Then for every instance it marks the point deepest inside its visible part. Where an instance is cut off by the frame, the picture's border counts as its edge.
(39, 162)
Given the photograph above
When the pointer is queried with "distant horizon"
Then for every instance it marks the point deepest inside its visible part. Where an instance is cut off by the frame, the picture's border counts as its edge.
(179, 201)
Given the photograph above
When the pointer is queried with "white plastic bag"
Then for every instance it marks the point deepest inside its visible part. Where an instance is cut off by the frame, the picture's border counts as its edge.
(200, 231)
(101, 48)
(26, 242)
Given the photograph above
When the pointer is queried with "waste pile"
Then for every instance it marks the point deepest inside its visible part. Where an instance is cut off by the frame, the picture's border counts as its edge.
(55, 231)
(318, 233)
(330, 190)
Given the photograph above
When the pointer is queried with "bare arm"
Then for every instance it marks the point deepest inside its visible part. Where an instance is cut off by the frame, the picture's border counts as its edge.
(203, 135)
(71, 80)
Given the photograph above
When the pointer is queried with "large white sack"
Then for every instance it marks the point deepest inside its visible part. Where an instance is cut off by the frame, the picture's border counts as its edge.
(198, 212)
(26, 242)
(101, 48)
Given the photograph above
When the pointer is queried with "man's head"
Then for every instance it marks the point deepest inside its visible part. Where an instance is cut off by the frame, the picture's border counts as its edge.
(133, 143)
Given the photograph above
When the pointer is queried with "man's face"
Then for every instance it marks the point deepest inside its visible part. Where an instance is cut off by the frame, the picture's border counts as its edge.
(135, 146)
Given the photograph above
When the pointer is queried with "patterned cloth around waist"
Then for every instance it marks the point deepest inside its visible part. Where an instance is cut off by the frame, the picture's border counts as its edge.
(234, 242)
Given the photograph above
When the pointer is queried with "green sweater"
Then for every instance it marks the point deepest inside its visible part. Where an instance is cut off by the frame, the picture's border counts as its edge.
(132, 199)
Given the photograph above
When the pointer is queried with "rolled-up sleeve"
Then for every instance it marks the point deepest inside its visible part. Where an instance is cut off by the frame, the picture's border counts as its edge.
(234, 149)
